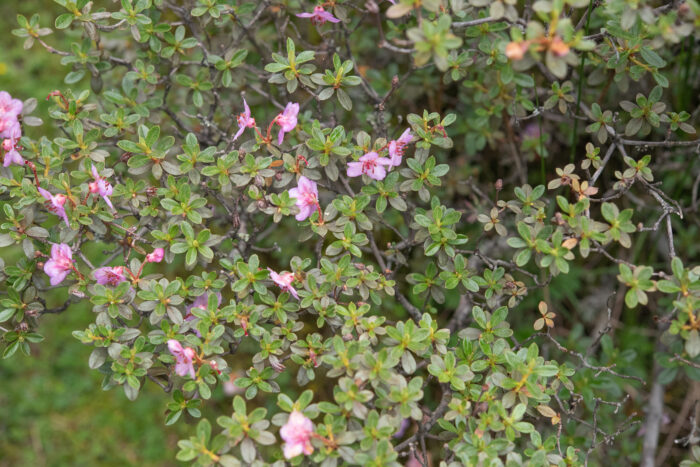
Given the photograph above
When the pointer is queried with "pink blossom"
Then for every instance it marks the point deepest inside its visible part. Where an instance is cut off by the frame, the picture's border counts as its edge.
(284, 281)
(156, 256)
(319, 16)
(306, 194)
(54, 203)
(396, 147)
(101, 186)
(60, 264)
(183, 358)
(371, 165)
(296, 434)
(110, 275)
(244, 121)
(9, 146)
(9, 111)
(287, 120)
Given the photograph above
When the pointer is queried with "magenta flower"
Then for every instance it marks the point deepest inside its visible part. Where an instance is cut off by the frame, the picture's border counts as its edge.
(60, 264)
(244, 121)
(9, 146)
(101, 186)
(284, 281)
(109, 275)
(9, 111)
(183, 358)
(396, 147)
(156, 256)
(306, 194)
(287, 120)
(371, 165)
(54, 203)
(296, 434)
(319, 16)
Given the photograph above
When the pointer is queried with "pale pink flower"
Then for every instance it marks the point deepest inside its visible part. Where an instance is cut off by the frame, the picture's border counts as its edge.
(287, 120)
(396, 147)
(296, 434)
(55, 204)
(319, 16)
(371, 165)
(9, 146)
(306, 194)
(284, 281)
(244, 121)
(60, 264)
(9, 111)
(156, 256)
(183, 358)
(110, 275)
(101, 186)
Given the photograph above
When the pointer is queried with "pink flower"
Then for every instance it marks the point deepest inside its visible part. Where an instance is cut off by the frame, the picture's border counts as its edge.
(109, 275)
(244, 121)
(396, 147)
(54, 203)
(183, 358)
(101, 186)
(287, 120)
(296, 434)
(371, 165)
(60, 264)
(319, 16)
(156, 256)
(9, 146)
(9, 111)
(284, 281)
(306, 194)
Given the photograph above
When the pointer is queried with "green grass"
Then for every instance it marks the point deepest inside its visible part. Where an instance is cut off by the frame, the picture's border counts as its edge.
(52, 409)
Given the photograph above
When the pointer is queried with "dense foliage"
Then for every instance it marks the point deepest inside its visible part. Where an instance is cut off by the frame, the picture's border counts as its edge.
(458, 232)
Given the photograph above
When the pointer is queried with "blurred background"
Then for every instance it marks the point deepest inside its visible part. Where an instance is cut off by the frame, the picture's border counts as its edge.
(52, 409)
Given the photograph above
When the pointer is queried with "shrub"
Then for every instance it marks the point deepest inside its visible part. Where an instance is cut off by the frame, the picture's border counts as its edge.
(389, 230)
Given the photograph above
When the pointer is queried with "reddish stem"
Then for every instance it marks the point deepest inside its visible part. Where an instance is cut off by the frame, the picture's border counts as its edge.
(31, 165)
(268, 139)
(59, 94)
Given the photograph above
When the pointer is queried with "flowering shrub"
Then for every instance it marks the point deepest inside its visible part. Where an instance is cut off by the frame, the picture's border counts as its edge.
(407, 232)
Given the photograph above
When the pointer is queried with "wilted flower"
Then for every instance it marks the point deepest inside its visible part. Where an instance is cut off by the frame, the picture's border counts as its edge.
(371, 165)
(183, 358)
(284, 281)
(396, 147)
(287, 120)
(296, 434)
(516, 50)
(319, 16)
(55, 204)
(558, 47)
(156, 256)
(101, 186)
(244, 121)
(306, 194)
(60, 264)
(109, 275)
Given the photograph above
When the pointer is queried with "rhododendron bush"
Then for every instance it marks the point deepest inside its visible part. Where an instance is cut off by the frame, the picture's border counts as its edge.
(437, 232)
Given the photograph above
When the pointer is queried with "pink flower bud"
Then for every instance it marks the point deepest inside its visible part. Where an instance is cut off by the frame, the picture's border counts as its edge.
(156, 256)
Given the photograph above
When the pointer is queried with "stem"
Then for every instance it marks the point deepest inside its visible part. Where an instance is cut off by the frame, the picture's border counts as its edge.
(574, 137)
(31, 165)
(59, 94)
